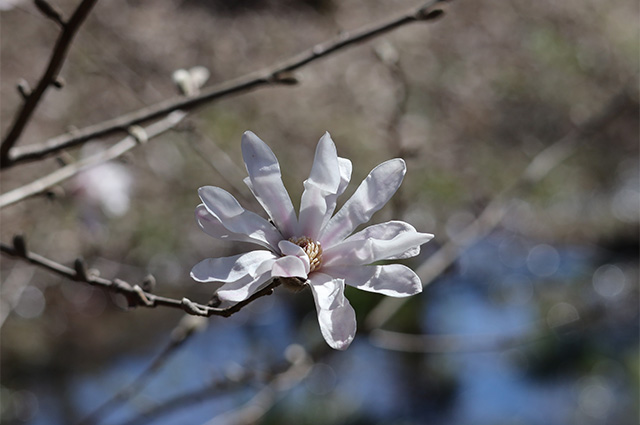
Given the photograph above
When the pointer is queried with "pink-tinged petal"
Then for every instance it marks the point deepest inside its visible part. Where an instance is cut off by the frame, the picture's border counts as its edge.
(366, 251)
(289, 248)
(230, 269)
(243, 288)
(336, 317)
(223, 206)
(266, 183)
(394, 280)
(372, 194)
(323, 182)
(290, 266)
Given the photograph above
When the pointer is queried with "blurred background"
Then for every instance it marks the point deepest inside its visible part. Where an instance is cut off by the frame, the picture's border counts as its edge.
(530, 316)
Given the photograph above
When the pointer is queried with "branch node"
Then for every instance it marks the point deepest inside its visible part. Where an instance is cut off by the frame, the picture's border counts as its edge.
(142, 296)
(80, 267)
(50, 11)
(23, 88)
(20, 245)
(132, 296)
(121, 286)
(138, 133)
(192, 308)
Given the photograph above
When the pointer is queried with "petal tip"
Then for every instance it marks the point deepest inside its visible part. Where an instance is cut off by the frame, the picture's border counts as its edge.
(342, 345)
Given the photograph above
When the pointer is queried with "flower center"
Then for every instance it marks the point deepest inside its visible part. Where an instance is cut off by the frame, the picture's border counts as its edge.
(313, 250)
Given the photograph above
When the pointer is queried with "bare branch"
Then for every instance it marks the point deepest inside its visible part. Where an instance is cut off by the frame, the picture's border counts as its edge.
(137, 136)
(252, 411)
(465, 343)
(436, 344)
(50, 11)
(278, 74)
(187, 327)
(281, 376)
(495, 210)
(69, 30)
(135, 295)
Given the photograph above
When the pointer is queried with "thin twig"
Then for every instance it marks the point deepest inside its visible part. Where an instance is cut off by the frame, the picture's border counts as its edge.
(495, 210)
(265, 399)
(69, 30)
(214, 156)
(472, 343)
(278, 74)
(439, 344)
(187, 327)
(42, 184)
(135, 295)
(297, 365)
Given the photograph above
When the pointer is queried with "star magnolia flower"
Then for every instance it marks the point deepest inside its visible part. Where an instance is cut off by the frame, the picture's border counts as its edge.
(314, 247)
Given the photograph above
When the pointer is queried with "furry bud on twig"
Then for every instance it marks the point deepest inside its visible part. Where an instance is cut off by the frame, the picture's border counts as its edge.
(24, 88)
(149, 283)
(81, 270)
(58, 83)
(430, 15)
(20, 245)
(287, 78)
(189, 82)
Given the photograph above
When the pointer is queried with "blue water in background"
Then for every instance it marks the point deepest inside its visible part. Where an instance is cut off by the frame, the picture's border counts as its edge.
(367, 384)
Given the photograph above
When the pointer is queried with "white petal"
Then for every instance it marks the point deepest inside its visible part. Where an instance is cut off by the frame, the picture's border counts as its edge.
(394, 280)
(388, 231)
(266, 183)
(242, 289)
(345, 177)
(372, 194)
(213, 227)
(230, 269)
(336, 317)
(325, 171)
(323, 182)
(345, 174)
(223, 206)
(366, 251)
(289, 266)
(289, 248)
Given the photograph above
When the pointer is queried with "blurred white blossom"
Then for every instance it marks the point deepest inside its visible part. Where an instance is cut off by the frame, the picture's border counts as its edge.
(107, 186)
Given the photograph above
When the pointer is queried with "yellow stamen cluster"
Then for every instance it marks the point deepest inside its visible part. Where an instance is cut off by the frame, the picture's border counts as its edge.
(313, 250)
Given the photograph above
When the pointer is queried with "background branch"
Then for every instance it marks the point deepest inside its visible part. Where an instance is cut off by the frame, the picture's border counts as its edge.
(188, 326)
(278, 74)
(468, 343)
(495, 210)
(32, 99)
(42, 184)
(264, 400)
